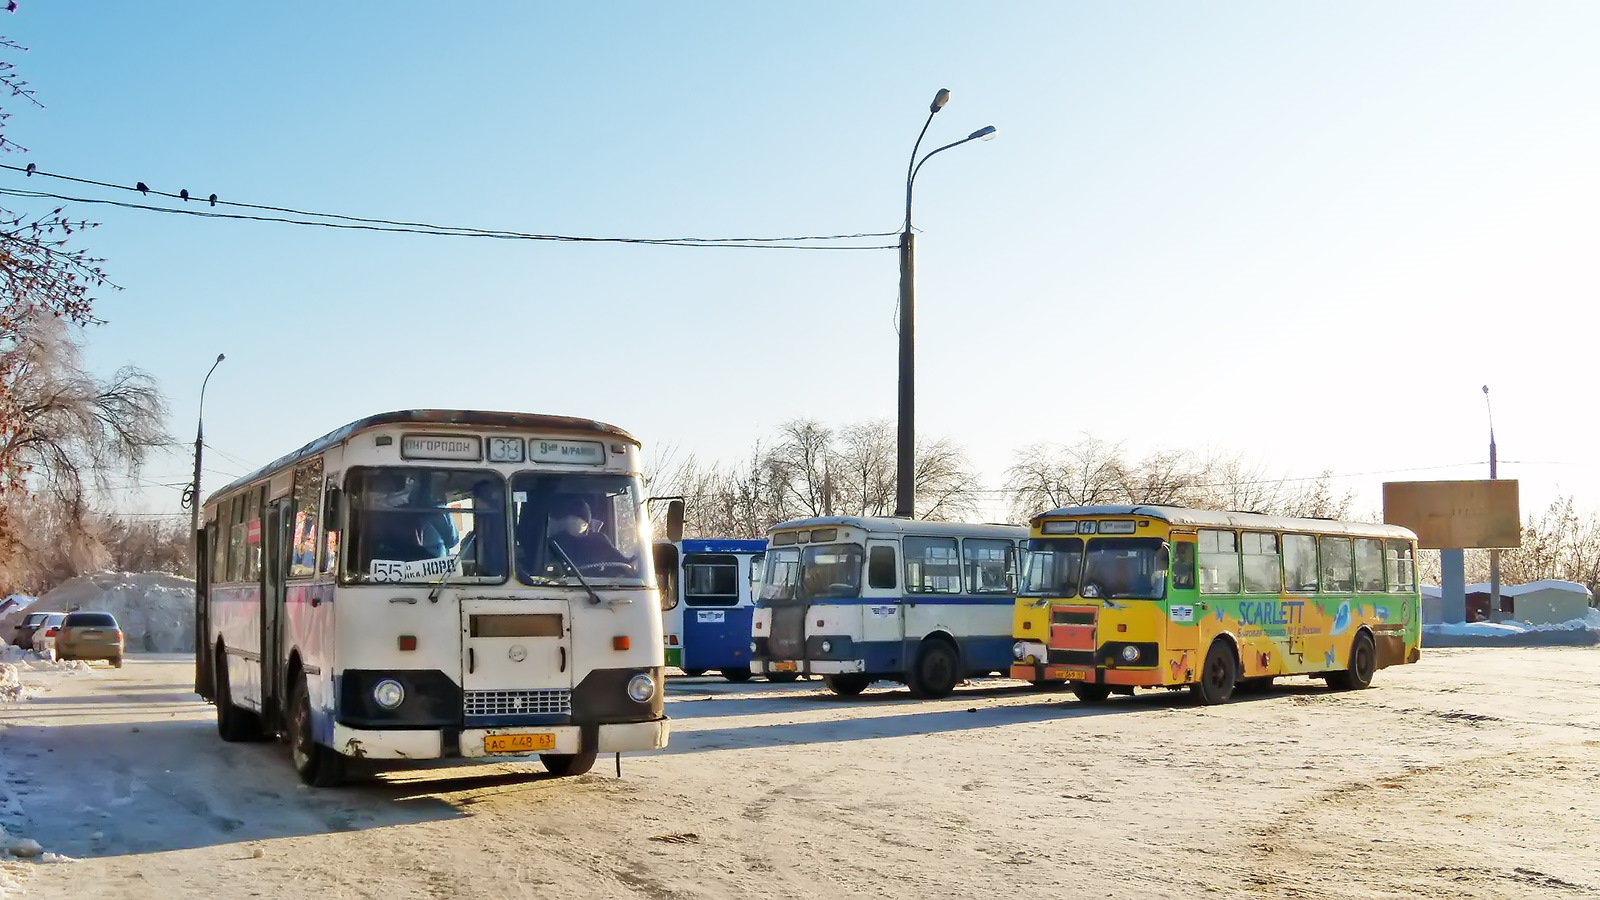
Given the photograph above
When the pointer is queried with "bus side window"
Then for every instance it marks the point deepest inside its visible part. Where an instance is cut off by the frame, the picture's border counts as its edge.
(1183, 566)
(881, 568)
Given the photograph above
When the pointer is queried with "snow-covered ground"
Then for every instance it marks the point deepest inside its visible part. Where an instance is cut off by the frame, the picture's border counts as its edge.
(1470, 774)
(1577, 632)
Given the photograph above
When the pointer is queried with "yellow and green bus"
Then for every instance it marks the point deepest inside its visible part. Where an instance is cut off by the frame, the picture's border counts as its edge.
(1116, 598)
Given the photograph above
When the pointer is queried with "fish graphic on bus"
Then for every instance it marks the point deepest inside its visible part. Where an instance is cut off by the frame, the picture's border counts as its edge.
(1341, 620)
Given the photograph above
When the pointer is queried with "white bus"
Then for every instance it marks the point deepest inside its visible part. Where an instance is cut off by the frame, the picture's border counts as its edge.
(857, 600)
(436, 583)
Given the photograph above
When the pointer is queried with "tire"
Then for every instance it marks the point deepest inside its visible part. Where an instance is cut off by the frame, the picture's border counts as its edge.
(1219, 676)
(1357, 676)
(316, 765)
(565, 765)
(116, 662)
(694, 673)
(783, 677)
(846, 685)
(737, 675)
(1090, 693)
(234, 724)
(937, 670)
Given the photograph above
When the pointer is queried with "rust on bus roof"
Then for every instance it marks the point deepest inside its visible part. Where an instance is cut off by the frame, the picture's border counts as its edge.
(469, 417)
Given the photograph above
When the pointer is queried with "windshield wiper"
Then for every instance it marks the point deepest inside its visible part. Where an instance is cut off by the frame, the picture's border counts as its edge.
(593, 597)
(433, 595)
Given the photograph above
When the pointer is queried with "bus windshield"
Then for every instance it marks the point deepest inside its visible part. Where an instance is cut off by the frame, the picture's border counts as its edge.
(1126, 568)
(1052, 567)
(416, 524)
(820, 572)
(592, 522)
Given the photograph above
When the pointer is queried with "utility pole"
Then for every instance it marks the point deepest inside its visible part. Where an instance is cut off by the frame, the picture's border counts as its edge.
(1494, 554)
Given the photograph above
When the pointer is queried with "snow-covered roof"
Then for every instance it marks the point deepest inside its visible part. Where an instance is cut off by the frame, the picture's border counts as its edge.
(1515, 590)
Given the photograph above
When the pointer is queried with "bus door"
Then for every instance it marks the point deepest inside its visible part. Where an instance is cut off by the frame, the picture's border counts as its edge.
(883, 620)
(274, 568)
(1183, 611)
(716, 625)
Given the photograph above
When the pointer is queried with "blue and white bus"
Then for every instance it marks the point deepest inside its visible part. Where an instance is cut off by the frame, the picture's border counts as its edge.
(708, 590)
(858, 600)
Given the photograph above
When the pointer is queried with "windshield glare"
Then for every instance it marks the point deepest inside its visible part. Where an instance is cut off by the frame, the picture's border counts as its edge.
(593, 523)
(1052, 567)
(819, 572)
(416, 525)
(1126, 568)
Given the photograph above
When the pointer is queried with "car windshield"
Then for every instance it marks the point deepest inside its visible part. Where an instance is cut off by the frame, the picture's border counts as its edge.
(416, 525)
(595, 523)
(34, 619)
(1126, 568)
(1053, 567)
(819, 572)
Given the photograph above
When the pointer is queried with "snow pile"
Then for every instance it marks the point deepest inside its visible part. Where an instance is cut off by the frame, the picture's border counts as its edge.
(11, 689)
(1580, 632)
(156, 611)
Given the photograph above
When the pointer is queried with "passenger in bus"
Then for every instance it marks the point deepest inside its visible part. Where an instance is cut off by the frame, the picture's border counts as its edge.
(573, 529)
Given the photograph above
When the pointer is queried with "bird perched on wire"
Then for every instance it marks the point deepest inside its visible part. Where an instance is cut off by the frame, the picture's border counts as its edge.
(30, 170)
(184, 193)
(213, 199)
(141, 188)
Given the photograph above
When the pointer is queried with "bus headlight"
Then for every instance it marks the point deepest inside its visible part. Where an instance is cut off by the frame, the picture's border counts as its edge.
(752, 646)
(389, 693)
(1130, 653)
(827, 646)
(1018, 651)
(641, 688)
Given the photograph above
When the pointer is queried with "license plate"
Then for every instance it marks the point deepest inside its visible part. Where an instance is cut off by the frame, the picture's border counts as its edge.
(785, 666)
(518, 743)
(1072, 675)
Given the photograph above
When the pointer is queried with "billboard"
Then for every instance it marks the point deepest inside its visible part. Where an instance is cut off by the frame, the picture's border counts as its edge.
(1456, 515)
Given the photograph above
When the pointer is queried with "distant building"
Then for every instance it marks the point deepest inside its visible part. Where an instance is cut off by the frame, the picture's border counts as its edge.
(1547, 602)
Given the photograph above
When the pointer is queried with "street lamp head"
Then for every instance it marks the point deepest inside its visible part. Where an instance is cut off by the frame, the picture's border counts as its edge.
(986, 133)
(939, 100)
(1486, 389)
(221, 357)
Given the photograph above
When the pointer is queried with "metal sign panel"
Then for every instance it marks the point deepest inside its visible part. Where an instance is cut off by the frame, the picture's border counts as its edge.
(1456, 515)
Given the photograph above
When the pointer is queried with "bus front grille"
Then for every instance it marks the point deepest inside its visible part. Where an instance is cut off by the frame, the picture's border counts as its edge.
(551, 702)
(788, 637)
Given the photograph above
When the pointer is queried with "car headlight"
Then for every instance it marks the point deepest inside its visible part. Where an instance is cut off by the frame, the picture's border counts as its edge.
(1130, 653)
(389, 693)
(827, 646)
(641, 688)
(1019, 650)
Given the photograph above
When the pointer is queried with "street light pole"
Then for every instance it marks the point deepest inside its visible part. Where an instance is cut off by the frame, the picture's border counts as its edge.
(199, 443)
(905, 493)
(1494, 554)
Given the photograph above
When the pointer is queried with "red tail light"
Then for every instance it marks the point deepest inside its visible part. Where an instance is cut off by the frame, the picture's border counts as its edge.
(50, 632)
(118, 633)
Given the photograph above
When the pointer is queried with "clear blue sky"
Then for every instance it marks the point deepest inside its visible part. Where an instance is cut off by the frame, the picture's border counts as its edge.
(1354, 213)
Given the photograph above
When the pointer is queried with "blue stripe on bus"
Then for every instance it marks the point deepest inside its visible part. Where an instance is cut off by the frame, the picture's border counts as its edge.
(915, 600)
(698, 545)
(981, 654)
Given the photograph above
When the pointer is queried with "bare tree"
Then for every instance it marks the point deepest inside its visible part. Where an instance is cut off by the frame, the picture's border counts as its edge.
(1049, 476)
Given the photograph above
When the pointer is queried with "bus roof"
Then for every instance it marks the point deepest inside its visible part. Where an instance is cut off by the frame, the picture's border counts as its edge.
(906, 526)
(1209, 518)
(470, 418)
(722, 545)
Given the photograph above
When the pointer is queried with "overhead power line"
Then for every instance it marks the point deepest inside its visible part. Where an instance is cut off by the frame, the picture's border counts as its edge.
(366, 223)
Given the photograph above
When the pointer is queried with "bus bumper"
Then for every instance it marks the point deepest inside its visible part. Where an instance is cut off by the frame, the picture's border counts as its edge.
(365, 744)
(617, 738)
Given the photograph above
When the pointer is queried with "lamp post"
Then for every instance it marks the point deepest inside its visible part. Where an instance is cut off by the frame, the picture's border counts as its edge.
(199, 442)
(1494, 554)
(905, 493)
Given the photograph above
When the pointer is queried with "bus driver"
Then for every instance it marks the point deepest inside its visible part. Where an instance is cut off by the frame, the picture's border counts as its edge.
(574, 531)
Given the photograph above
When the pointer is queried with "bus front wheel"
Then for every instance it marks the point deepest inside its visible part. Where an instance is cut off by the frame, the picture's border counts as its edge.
(1220, 675)
(846, 685)
(783, 677)
(562, 765)
(737, 675)
(1090, 693)
(316, 765)
(694, 673)
(1363, 665)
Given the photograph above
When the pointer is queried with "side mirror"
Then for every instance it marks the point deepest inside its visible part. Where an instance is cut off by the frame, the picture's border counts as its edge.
(665, 556)
(675, 521)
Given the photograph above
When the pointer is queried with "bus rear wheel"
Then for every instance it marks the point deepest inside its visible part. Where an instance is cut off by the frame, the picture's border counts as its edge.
(737, 675)
(1363, 665)
(316, 765)
(846, 685)
(563, 765)
(1219, 676)
(937, 670)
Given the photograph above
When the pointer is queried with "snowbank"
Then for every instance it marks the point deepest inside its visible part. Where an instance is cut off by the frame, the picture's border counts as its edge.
(156, 611)
(15, 663)
(1582, 632)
